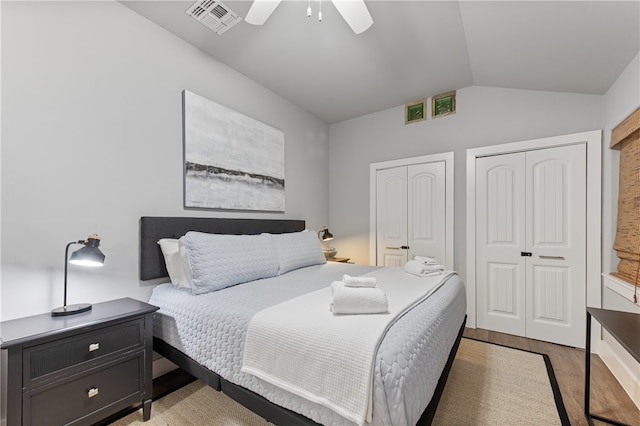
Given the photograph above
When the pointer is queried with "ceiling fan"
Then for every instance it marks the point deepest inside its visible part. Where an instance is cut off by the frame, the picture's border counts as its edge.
(355, 12)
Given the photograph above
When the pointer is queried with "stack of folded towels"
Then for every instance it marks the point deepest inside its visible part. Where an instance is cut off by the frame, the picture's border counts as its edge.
(358, 295)
(424, 266)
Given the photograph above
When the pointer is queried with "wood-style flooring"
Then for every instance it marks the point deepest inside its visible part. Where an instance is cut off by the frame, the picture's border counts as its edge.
(608, 398)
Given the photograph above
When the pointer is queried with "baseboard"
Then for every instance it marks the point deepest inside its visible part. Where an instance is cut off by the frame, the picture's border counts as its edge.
(621, 287)
(623, 366)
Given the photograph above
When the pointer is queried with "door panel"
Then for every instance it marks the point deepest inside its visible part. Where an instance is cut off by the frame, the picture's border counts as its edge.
(500, 275)
(426, 206)
(556, 199)
(391, 216)
(502, 286)
(550, 294)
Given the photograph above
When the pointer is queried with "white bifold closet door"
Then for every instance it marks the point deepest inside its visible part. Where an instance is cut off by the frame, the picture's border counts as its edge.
(531, 243)
(410, 213)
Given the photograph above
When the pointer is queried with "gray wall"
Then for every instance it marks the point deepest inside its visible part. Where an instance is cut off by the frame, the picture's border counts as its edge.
(91, 141)
(622, 99)
(484, 116)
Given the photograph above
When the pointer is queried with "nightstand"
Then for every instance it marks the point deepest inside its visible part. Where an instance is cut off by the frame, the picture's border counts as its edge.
(338, 259)
(77, 369)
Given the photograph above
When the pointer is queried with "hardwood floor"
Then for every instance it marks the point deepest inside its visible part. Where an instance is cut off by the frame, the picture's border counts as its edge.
(608, 398)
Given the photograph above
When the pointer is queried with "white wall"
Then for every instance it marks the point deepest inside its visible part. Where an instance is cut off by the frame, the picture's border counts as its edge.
(91, 141)
(622, 99)
(485, 116)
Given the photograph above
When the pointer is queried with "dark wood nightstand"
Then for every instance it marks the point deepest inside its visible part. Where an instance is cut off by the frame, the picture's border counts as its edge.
(77, 369)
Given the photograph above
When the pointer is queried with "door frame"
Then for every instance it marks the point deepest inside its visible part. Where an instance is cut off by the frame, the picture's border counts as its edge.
(593, 141)
(447, 157)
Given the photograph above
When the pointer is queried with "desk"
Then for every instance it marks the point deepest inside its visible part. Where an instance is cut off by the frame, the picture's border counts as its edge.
(625, 328)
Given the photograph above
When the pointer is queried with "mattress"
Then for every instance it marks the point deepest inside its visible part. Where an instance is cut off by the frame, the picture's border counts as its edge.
(210, 329)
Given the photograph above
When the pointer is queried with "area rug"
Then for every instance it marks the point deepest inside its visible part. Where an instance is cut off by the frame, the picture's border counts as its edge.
(488, 385)
(496, 385)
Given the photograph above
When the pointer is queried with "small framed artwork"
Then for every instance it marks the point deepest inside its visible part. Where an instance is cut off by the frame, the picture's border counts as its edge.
(444, 104)
(415, 111)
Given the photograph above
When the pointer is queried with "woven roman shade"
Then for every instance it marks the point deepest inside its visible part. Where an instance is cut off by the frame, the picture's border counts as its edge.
(626, 136)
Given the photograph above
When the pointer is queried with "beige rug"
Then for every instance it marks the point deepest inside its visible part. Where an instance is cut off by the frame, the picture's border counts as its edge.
(488, 385)
(496, 385)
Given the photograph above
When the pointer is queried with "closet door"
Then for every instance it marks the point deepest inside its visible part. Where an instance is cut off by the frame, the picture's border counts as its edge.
(426, 210)
(391, 216)
(531, 243)
(556, 237)
(500, 239)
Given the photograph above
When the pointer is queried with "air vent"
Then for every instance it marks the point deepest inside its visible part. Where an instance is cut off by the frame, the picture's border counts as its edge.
(214, 15)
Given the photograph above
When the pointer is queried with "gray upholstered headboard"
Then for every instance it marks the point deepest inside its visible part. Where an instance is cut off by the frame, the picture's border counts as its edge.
(153, 228)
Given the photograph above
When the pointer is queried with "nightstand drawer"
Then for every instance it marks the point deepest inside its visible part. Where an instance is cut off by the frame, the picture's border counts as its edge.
(80, 400)
(41, 361)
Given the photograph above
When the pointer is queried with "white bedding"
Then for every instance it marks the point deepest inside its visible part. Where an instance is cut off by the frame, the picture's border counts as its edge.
(211, 328)
(300, 346)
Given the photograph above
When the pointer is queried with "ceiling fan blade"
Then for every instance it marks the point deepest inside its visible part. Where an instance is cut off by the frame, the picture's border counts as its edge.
(260, 10)
(356, 14)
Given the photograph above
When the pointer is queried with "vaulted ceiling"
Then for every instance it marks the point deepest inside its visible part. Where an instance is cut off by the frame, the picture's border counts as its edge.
(416, 49)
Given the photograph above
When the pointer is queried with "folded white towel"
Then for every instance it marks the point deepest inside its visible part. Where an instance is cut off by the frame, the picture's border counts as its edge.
(426, 260)
(350, 281)
(352, 300)
(421, 270)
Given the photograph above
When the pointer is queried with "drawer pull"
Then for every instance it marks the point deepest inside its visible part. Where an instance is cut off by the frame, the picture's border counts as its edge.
(94, 347)
(92, 392)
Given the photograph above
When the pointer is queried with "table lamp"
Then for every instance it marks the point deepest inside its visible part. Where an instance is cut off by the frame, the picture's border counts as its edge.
(325, 235)
(89, 255)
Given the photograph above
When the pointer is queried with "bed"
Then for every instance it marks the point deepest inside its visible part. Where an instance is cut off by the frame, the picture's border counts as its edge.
(204, 333)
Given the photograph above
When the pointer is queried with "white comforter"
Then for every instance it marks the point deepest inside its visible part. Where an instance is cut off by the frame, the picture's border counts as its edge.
(300, 346)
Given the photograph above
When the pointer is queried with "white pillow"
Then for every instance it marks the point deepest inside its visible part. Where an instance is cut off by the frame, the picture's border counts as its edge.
(173, 261)
(297, 250)
(217, 261)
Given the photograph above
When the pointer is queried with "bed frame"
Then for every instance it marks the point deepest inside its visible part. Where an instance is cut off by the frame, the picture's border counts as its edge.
(152, 266)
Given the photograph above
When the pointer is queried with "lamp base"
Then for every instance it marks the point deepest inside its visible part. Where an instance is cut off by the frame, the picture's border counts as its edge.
(71, 309)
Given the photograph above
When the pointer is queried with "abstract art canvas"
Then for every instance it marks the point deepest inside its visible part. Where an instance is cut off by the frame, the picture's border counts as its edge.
(231, 161)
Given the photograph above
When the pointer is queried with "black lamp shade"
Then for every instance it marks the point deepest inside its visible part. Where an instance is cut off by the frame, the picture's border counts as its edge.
(89, 255)
(326, 235)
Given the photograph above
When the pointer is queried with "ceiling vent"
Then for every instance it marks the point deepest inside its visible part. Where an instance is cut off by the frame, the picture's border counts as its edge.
(214, 15)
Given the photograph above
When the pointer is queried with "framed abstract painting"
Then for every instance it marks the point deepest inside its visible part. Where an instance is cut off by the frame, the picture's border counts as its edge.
(231, 161)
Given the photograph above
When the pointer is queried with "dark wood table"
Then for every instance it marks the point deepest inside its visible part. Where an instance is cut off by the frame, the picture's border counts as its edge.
(625, 328)
(77, 369)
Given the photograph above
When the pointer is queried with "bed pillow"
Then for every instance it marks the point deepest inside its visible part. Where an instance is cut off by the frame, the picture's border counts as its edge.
(173, 261)
(215, 261)
(297, 250)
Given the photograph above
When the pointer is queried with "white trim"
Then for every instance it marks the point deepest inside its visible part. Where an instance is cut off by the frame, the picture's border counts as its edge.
(619, 286)
(447, 157)
(593, 140)
(622, 366)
